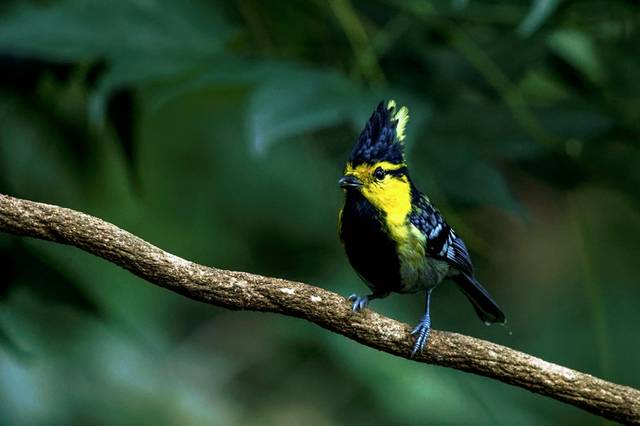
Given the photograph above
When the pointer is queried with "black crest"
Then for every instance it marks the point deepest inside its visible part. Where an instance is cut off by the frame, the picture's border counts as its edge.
(381, 139)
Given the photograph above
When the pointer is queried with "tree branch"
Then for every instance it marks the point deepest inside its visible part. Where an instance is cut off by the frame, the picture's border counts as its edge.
(244, 291)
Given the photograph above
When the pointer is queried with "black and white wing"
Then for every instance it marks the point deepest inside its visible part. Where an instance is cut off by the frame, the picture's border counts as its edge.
(442, 241)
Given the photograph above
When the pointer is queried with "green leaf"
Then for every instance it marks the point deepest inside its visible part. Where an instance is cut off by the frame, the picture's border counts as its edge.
(73, 30)
(140, 41)
(541, 11)
(459, 4)
(8, 343)
(298, 101)
(577, 48)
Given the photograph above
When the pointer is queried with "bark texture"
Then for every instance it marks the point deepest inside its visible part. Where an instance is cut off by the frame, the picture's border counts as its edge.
(245, 291)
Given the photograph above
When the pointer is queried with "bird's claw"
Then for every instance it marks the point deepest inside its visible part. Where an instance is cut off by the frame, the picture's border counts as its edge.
(359, 302)
(421, 331)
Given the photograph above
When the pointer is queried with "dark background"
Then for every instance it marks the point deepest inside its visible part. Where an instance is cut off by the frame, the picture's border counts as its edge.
(218, 131)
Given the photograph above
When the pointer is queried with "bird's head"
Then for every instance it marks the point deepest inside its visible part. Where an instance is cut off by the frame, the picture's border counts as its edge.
(376, 167)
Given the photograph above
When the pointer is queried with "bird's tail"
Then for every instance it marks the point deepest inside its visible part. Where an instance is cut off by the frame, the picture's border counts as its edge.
(486, 308)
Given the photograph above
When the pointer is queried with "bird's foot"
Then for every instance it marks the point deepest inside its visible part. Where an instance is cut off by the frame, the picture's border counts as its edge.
(421, 331)
(359, 302)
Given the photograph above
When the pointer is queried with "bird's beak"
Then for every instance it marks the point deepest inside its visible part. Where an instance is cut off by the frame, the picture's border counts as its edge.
(350, 181)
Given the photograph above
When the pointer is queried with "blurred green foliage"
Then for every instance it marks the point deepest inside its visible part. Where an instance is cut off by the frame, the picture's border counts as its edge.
(218, 130)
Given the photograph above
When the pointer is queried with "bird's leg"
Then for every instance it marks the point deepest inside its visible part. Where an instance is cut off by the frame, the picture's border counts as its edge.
(422, 329)
(361, 302)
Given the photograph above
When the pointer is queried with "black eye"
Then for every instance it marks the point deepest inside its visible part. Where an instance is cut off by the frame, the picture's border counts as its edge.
(379, 173)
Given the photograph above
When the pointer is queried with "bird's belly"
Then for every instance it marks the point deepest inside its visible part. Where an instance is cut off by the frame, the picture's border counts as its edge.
(425, 276)
(418, 271)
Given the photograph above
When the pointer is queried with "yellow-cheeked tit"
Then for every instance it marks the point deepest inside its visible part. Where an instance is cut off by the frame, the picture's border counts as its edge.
(395, 239)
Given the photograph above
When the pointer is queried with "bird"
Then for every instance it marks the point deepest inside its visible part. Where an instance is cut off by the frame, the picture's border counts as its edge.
(393, 236)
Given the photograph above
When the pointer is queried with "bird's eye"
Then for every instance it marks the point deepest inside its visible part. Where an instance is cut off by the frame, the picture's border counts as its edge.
(379, 173)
